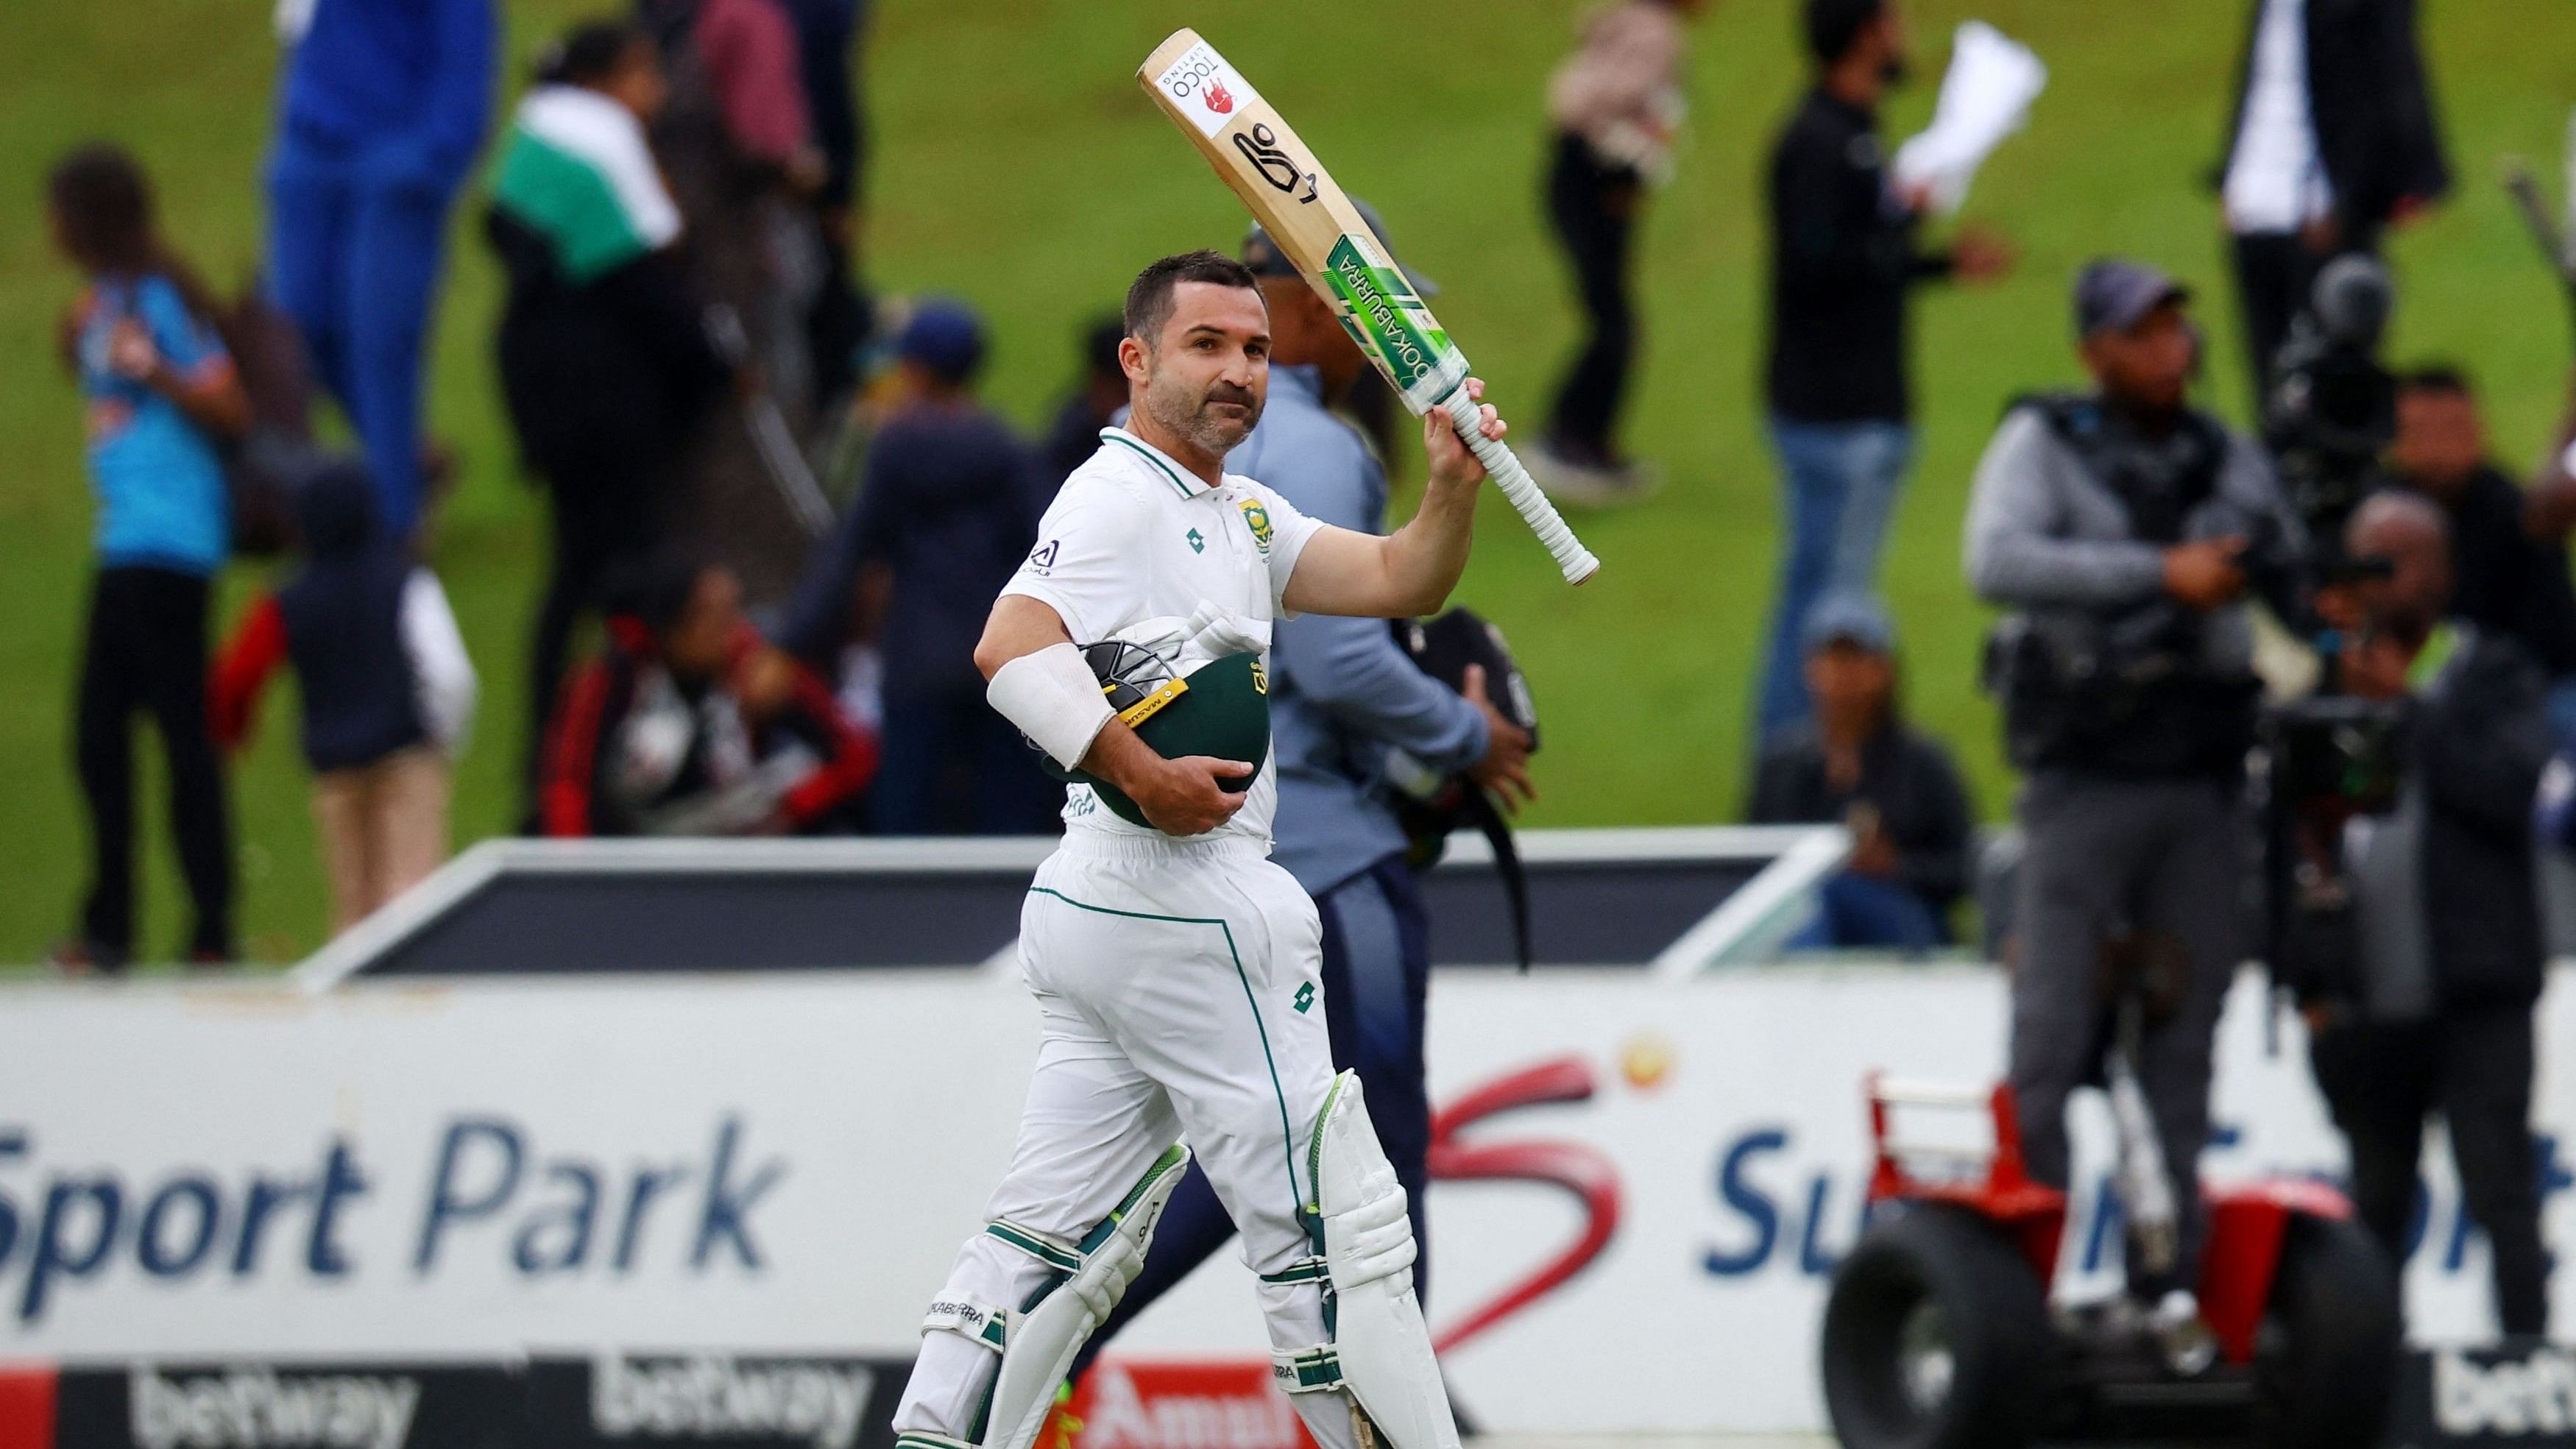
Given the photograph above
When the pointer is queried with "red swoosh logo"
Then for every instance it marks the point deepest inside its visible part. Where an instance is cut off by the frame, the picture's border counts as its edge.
(1576, 1168)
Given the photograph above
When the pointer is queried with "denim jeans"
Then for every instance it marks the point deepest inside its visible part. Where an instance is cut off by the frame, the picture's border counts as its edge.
(1839, 491)
(1863, 913)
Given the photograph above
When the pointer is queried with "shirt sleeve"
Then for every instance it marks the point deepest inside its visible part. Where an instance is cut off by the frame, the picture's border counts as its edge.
(1084, 566)
(442, 674)
(253, 652)
(187, 342)
(1290, 530)
(2015, 555)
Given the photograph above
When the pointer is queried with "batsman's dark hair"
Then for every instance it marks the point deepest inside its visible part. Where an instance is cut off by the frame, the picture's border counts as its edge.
(589, 53)
(1149, 299)
(2436, 377)
(1831, 26)
(103, 203)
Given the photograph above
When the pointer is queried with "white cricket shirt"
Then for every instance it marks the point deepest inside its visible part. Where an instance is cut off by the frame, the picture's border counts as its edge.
(1133, 545)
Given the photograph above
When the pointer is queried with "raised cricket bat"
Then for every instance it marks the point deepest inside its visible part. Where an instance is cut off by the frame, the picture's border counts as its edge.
(1294, 198)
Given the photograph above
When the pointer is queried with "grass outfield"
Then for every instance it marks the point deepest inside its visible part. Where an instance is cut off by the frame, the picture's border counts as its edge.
(1017, 165)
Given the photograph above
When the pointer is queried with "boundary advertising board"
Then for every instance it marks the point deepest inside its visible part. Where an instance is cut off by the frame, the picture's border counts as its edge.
(782, 1166)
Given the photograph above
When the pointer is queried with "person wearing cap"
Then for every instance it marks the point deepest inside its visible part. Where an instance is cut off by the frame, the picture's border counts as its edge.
(1342, 693)
(2115, 525)
(1857, 764)
(949, 499)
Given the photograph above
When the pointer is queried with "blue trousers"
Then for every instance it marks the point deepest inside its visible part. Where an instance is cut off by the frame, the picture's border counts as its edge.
(354, 259)
(1377, 975)
(948, 765)
(1861, 913)
(1838, 492)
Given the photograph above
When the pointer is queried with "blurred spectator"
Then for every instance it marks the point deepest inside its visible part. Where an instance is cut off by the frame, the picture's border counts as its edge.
(1897, 791)
(688, 724)
(2551, 511)
(1094, 403)
(2436, 1013)
(948, 506)
(161, 395)
(736, 146)
(828, 33)
(386, 101)
(746, 54)
(2333, 140)
(603, 362)
(386, 689)
(1616, 104)
(1843, 258)
(2114, 523)
(2506, 582)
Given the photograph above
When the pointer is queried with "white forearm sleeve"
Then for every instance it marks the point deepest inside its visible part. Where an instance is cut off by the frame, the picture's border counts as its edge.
(1052, 696)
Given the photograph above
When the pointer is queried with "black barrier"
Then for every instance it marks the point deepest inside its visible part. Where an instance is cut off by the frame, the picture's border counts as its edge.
(2521, 1395)
(257, 1405)
(605, 1401)
(1616, 898)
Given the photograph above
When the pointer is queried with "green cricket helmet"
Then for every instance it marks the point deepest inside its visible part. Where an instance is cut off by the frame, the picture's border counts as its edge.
(1220, 708)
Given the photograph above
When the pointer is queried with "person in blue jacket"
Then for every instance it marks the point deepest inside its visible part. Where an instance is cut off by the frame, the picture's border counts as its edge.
(1341, 694)
(385, 108)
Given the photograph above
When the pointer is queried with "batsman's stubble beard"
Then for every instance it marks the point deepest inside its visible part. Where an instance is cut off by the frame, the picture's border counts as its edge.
(1188, 408)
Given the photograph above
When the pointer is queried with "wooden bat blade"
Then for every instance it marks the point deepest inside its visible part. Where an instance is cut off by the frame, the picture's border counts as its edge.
(1260, 158)
(1252, 149)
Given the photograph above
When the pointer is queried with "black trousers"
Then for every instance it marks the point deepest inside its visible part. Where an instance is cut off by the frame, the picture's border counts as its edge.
(2161, 864)
(2474, 1067)
(1594, 210)
(602, 521)
(146, 654)
(2274, 272)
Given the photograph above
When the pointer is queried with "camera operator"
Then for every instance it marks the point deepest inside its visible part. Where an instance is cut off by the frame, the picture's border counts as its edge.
(2432, 1008)
(2504, 580)
(2123, 526)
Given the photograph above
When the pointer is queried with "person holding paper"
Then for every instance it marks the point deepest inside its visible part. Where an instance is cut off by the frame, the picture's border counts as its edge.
(1844, 258)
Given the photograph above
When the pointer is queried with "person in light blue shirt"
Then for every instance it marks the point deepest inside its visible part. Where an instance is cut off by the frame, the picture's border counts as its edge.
(1342, 693)
(159, 391)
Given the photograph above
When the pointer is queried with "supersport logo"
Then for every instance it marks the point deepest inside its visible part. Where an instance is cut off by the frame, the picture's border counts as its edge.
(1578, 1169)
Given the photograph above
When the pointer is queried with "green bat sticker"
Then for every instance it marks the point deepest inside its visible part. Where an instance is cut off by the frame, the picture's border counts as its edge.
(1392, 326)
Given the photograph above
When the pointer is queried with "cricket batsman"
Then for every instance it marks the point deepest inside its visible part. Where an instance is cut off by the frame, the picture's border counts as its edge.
(1177, 970)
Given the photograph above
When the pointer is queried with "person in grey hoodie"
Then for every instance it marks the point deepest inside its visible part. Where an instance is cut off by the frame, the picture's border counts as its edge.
(2121, 526)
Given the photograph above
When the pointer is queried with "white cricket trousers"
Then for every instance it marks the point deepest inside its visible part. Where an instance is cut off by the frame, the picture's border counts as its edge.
(1179, 985)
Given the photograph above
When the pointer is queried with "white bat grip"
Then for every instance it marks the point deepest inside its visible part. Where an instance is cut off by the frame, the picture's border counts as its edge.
(1572, 558)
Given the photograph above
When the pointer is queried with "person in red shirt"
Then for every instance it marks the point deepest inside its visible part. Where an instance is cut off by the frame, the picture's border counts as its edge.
(689, 723)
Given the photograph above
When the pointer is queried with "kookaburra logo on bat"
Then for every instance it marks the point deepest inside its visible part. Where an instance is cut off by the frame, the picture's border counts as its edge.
(1260, 146)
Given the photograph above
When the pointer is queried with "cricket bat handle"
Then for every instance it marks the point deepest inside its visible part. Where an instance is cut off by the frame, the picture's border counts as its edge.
(1572, 558)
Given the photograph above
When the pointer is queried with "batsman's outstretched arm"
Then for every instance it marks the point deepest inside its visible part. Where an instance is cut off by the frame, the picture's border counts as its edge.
(1038, 681)
(1411, 570)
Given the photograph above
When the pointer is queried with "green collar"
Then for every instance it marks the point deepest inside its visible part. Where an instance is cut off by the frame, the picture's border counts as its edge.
(1181, 478)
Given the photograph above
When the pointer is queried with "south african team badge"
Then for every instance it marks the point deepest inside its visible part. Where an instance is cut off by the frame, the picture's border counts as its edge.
(1258, 519)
